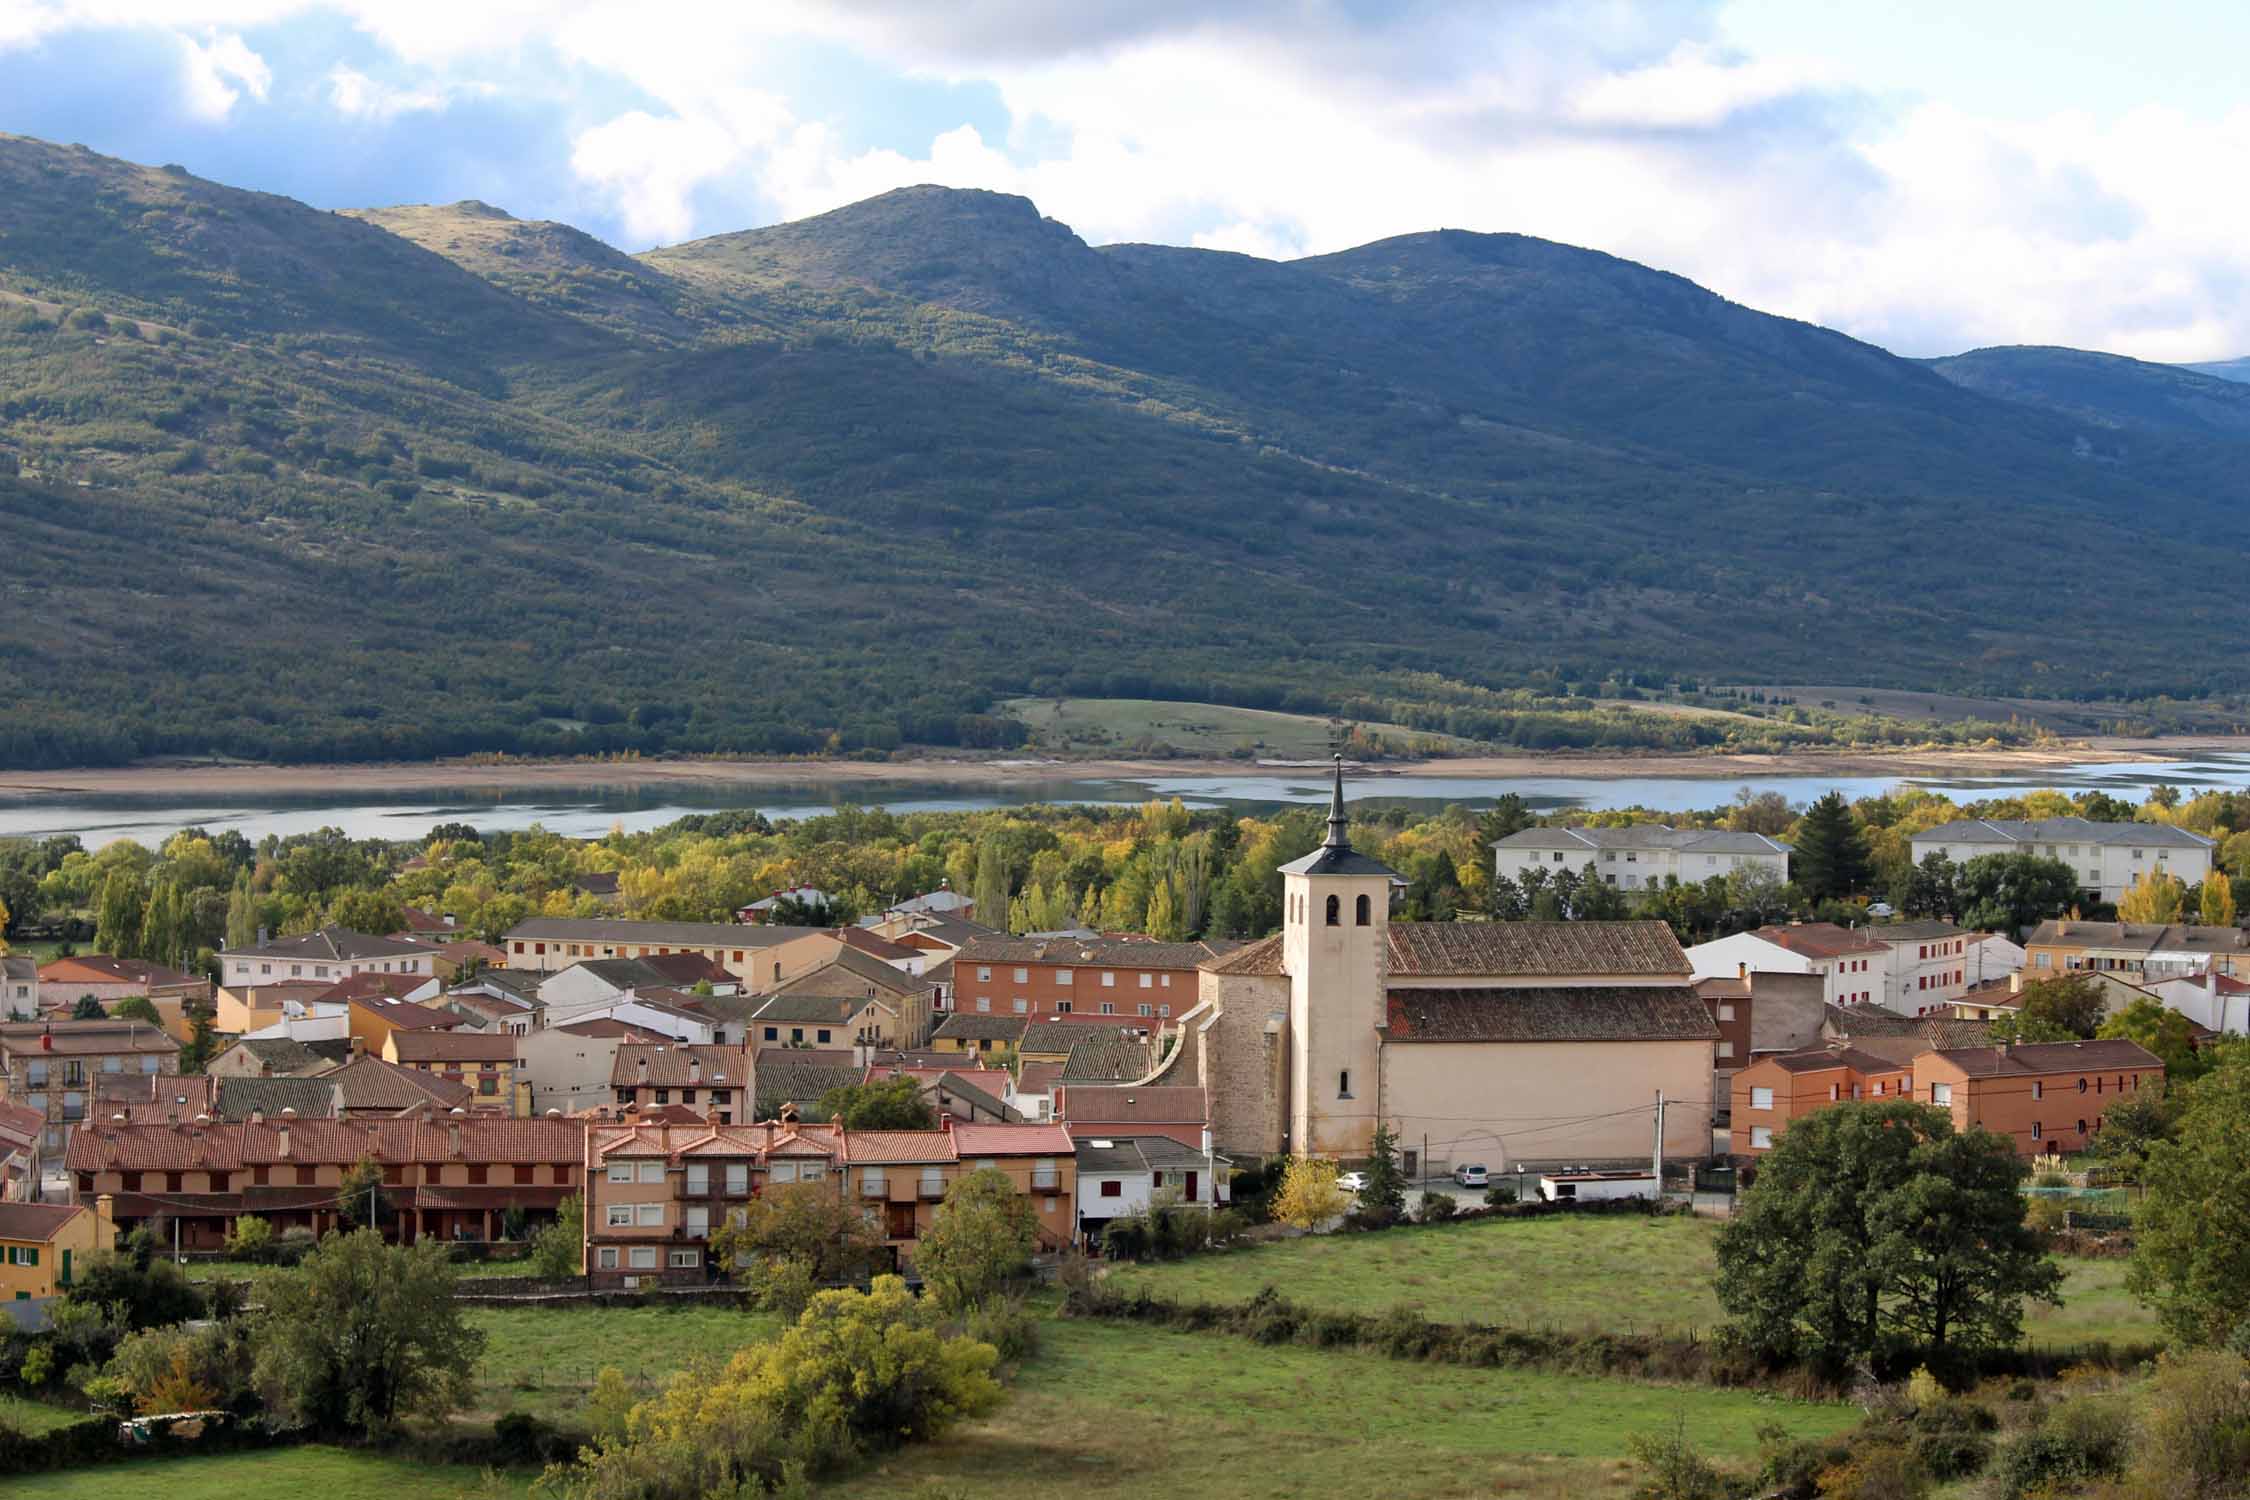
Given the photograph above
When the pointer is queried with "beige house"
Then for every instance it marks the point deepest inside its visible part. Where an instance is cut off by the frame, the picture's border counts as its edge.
(1641, 857)
(330, 954)
(1500, 1043)
(555, 943)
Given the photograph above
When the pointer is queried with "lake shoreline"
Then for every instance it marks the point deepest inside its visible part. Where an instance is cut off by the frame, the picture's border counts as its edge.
(236, 780)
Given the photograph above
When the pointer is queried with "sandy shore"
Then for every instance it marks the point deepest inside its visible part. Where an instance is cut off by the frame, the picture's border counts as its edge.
(196, 781)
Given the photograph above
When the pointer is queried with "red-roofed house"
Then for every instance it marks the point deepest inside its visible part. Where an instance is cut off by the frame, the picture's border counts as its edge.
(1180, 1113)
(487, 1062)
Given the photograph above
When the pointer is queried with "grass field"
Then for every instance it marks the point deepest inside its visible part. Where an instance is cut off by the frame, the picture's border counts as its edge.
(1618, 1273)
(543, 1360)
(1193, 728)
(35, 1416)
(1112, 1409)
(281, 1474)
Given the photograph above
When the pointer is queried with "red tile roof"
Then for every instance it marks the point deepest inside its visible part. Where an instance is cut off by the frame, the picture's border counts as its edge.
(35, 1221)
(1821, 940)
(97, 1147)
(454, 1046)
(1011, 1140)
(1108, 1104)
(676, 1065)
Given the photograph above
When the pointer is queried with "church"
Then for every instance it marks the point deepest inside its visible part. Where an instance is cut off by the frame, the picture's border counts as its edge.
(1502, 1043)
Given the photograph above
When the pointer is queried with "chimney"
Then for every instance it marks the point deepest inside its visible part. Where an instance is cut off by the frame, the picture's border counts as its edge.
(359, 1046)
(105, 1222)
(261, 937)
(2062, 927)
(453, 1136)
(694, 1067)
(281, 1135)
(946, 1121)
(257, 1117)
(1742, 971)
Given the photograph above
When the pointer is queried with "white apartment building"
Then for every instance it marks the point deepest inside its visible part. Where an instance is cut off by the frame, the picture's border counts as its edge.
(332, 953)
(1929, 964)
(1638, 858)
(2107, 857)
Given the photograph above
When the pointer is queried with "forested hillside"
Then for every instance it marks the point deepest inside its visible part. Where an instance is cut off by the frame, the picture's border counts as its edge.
(423, 480)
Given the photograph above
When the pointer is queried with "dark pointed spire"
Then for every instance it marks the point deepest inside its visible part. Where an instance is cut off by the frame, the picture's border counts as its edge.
(1337, 837)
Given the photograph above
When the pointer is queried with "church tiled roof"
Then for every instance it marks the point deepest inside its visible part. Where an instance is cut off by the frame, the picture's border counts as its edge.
(1509, 949)
(1550, 1013)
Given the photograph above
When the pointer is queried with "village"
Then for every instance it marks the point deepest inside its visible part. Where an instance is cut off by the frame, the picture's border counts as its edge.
(585, 1115)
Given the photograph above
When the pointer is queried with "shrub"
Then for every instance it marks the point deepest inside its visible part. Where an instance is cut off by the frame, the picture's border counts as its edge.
(781, 1284)
(250, 1239)
(1500, 1195)
(521, 1438)
(294, 1245)
(1436, 1208)
(1007, 1325)
(2195, 1427)
(1881, 1471)
(556, 1249)
(2083, 1439)
(1125, 1239)
(1952, 1455)
(1672, 1468)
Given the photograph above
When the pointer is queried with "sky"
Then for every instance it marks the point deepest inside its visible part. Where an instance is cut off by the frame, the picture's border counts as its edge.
(1925, 174)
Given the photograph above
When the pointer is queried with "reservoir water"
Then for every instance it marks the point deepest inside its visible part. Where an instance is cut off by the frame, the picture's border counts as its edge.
(595, 808)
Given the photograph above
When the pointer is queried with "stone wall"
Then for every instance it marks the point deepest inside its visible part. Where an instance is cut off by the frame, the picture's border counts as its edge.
(1245, 1060)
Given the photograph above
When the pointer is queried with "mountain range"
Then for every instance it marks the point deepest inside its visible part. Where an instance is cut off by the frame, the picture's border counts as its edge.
(422, 480)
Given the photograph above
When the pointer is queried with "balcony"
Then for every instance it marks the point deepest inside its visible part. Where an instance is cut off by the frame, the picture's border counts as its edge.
(931, 1189)
(1046, 1182)
(874, 1187)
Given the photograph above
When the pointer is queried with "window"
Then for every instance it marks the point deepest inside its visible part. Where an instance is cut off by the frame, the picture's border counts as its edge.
(697, 1218)
(1761, 1137)
(1148, 981)
(1164, 1011)
(773, 1033)
(1062, 977)
(1726, 1012)
(2081, 1127)
(605, 1259)
(652, 1171)
(984, 1004)
(1761, 1098)
(488, 1085)
(1062, 1007)
(685, 1260)
(1108, 1009)
(984, 972)
(738, 1177)
(643, 1258)
(1113, 1189)
(2036, 1132)
(1023, 1007)
(1726, 1049)
(2081, 1085)
(1344, 1084)
(1941, 1094)
(820, 1036)
(1147, 1010)
(1335, 911)
(1109, 980)
(648, 1215)
(699, 1177)
(1832, 1093)
(621, 1216)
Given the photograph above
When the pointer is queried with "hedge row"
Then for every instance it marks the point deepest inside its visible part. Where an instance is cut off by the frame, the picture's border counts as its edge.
(96, 1441)
(1402, 1333)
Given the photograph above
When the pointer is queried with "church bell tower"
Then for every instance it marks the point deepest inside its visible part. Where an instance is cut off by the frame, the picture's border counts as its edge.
(1336, 906)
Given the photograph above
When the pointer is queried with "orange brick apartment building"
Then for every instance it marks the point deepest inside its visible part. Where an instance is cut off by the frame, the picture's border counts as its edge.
(1038, 978)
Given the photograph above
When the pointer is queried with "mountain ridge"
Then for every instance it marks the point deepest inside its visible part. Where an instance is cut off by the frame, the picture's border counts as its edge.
(847, 482)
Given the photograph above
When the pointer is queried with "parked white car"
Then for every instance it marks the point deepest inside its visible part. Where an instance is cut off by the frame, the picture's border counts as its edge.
(1353, 1182)
(1471, 1174)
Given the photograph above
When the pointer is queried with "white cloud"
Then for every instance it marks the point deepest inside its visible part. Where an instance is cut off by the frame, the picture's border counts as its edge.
(216, 72)
(359, 97)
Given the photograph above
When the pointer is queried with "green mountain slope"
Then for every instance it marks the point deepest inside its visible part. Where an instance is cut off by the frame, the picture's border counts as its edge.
(432, 479)
(2106, 389)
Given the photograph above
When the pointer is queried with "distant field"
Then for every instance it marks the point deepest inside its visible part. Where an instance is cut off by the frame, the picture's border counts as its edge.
(1616, 1274)
(281, 1474)
(1109, 1409)
(2056, 714)
(1194, 728)
(543, 1360)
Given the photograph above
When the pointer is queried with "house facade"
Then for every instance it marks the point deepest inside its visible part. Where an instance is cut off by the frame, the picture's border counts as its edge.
(489, 1064)
(450, 1178)
(719, 1082)
(2107, 858)
(330, 954)
(1772, 1091)
(2140, 951)
(54, 1067)
(42, 1245)
(64, 980)
(657, 1193)
(554, 943)
(1121, 1176)
(2046, 1097)
(1042, 978)
(1641, 857)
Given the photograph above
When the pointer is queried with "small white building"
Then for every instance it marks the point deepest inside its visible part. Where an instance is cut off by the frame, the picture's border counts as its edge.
(1640, 857)
(1855, 969)
(2107, 857)
(1928, 967)
(2217, 1001)
(1119, 1176)
(1596, 1187)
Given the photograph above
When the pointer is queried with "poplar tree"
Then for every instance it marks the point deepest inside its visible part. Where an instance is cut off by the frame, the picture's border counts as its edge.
(117, 925)
(2217, 905)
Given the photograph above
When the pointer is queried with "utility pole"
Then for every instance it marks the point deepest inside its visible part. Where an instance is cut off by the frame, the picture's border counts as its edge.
(1656, 1157)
